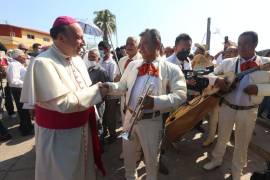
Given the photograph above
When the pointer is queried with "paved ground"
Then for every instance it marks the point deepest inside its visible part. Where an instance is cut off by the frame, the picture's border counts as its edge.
(17, 159)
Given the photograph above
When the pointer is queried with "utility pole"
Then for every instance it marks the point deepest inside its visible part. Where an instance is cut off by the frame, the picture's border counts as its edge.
(208, 34)
(116, 35)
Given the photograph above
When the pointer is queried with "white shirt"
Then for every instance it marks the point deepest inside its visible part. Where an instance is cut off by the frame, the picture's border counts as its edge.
(122, 62)
(237, 96)
(15, 74)
(141, 85)
(173, 59)
(111, 68)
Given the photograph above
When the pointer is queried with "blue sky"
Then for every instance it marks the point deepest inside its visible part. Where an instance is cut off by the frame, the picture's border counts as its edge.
(170, 17)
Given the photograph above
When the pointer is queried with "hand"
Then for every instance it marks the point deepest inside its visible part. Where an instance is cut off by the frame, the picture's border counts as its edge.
(251, 89)
(117, 78)
(222, 84)
(148, 102)
(104, 89)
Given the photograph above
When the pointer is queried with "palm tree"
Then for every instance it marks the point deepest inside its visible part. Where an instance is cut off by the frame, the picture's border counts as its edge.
(105, 20)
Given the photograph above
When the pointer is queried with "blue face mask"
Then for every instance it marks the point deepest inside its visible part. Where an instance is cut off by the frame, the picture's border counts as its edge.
(102, 54)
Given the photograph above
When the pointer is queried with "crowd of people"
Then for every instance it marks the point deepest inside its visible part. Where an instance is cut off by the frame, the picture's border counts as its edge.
(13, 66)
(76, 100)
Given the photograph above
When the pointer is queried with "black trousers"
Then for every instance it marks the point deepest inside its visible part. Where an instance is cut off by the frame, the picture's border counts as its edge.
(3, 129)
(24, 115)
(8, 100)
(112, 107)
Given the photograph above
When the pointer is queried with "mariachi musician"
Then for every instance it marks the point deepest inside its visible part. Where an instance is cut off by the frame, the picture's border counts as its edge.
(240, 105)
(147, 131)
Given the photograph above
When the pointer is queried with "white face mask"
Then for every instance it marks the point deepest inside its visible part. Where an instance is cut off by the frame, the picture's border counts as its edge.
(90, 63)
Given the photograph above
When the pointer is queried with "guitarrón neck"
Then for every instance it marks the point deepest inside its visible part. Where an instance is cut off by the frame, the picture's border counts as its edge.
(242, 74)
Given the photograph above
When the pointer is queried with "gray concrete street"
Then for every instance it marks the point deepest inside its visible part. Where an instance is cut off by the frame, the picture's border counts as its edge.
(185, 161)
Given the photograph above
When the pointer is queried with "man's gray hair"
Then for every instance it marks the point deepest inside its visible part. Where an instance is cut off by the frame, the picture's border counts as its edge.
(94, 50)
(153, 34)
(16, 53)
(134, 38)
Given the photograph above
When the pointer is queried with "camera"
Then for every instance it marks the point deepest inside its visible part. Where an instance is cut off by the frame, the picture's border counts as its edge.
(201, 82)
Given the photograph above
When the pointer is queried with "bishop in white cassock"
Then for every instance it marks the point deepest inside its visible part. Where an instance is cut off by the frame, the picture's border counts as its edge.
(58, 85)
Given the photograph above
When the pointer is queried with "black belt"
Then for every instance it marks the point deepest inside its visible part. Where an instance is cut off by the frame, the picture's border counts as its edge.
(236, 107)
(147, 115)
(150, 115)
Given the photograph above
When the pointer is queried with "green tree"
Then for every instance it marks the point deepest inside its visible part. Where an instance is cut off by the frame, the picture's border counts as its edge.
(2, 47)
(105, 20)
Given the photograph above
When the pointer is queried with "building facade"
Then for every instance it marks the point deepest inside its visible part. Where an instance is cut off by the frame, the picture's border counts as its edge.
(11, 36)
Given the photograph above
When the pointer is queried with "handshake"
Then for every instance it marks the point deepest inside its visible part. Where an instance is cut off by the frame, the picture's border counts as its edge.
(104, 89)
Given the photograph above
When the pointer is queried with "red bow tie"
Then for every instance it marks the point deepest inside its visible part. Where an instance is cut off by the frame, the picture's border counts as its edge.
(149, 69)
(248, 65)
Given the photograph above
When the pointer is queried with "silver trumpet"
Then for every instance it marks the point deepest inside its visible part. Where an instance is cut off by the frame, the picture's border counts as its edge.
(137, 113)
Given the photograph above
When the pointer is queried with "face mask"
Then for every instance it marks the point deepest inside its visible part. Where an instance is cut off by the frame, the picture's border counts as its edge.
(102, 54)
(182, 55)
(90, 63)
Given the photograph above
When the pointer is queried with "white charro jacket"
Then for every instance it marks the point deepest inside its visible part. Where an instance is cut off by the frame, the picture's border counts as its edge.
(172, 85)
(260, 78)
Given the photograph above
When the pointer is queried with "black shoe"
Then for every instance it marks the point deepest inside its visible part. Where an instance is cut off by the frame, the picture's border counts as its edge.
(200, 129)
(163, 169)
(258, 176)
(5, 137)
(27, 132)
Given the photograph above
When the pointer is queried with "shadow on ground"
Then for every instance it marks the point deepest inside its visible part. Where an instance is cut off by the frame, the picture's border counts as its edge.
(184, 162)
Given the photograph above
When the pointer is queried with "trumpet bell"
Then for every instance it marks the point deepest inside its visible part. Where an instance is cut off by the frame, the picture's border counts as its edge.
(125, 136)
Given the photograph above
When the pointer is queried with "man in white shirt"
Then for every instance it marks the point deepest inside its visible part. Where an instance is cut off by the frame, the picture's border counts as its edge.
(15, 76)
(107, 61)
(168, 92)
(239, 107)
(132, 50)
(182, 48)
(112, 105)
(180, 58)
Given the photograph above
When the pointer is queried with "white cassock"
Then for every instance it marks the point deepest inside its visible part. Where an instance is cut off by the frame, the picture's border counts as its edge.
(244, 120)
(148, 132)
(62, 86)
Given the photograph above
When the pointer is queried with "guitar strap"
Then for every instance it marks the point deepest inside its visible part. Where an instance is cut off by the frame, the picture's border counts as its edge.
(236, 66)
